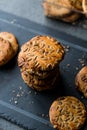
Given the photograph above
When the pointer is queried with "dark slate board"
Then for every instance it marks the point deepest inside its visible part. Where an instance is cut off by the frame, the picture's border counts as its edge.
(19, 103)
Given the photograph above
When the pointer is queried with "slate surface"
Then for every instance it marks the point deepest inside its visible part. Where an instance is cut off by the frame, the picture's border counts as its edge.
(19, 103)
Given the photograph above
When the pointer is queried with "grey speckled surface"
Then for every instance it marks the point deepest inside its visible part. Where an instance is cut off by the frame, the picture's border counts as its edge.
(6, 125)
(32, 9)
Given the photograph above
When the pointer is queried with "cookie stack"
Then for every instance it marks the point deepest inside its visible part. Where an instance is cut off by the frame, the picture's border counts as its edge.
(65, 10)
(39, 60)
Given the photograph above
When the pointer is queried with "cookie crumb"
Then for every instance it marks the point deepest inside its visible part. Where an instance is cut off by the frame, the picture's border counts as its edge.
(16, 102)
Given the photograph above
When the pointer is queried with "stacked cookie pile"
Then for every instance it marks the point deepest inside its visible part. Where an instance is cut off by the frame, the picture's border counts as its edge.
(65, 10)
(39, 60)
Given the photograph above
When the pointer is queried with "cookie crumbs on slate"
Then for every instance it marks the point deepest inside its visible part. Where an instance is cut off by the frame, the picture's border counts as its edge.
(67, 48)
(68, 65)
(76, 68)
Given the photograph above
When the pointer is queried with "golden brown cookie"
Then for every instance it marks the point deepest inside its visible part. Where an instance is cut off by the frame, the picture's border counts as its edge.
(12, 39)
(84, 5)
(41, 53)
(55, 9)
(36, 81)
(46, 86)
(81, 81)
(6, 51)
(65, 10)
(67, 113)
(39, 60)
(45, 74)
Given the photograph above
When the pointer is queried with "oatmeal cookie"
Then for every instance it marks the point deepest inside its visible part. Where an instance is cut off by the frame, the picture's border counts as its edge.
(34, 79)
(67, 113)
(6, 51)
(45, 74)
(39, 61)
(41, 53)
(65, 10)
(81, 81)
(55, 9)
(12, 40)
(46, 86)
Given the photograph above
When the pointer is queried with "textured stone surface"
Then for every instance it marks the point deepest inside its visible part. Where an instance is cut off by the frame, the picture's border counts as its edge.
(5, 125)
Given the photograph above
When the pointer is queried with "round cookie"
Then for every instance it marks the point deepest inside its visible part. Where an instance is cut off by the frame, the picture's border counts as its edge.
(6, 51)
(12, 39)
(67, 113)
(81, 81)
(34, 80)
(55, 9)
(39, 60)
(44, 75)
(41, 53)
(84, 5)
(45, 86)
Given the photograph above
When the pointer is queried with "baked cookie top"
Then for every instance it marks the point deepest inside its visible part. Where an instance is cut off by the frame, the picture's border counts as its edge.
(67, 113)
(12, 39)
(81, 81)
(41, 53)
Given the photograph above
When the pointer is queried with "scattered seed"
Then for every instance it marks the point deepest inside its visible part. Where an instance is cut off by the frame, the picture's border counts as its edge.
(13, 91)
(35, 93)
(68, 65)
(18, 95)
(29, 92)
(77, 68)
(83, 64)
(16, 102)
(20, 88)
(43, 115)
